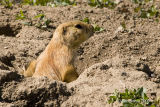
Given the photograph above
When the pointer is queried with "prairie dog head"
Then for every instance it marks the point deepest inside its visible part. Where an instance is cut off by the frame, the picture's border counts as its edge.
(73, 33)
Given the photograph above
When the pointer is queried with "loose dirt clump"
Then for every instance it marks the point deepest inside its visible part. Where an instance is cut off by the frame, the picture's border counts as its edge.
(126, 54)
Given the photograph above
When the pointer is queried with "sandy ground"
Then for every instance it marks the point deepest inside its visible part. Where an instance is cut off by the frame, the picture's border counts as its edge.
(115, 58)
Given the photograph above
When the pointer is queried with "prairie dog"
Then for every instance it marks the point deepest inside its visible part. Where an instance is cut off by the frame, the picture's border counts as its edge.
(56, 61)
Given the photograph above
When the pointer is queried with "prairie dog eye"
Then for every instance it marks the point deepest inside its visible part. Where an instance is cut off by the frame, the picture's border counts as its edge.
(78, 26)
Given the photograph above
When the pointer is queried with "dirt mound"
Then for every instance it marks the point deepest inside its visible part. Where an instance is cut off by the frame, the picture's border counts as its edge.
(31, 91)
(115, 58)
(100, 80)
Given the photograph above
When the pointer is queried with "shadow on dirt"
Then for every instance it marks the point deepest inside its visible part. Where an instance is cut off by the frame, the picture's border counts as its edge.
(7, 31)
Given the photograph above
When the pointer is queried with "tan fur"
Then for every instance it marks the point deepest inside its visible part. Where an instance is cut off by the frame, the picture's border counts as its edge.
(56, 61)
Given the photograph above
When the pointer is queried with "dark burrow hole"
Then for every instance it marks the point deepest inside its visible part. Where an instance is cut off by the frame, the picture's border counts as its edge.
(7, 31)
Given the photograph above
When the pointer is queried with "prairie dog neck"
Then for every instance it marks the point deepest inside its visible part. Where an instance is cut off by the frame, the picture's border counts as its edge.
(60, 51)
